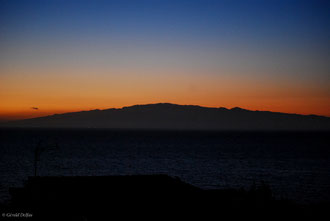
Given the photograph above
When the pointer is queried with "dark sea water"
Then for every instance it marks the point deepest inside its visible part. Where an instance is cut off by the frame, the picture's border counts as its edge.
(295, 164)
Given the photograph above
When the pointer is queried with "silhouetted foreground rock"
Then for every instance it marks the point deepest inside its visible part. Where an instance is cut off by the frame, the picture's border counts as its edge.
(143, 196)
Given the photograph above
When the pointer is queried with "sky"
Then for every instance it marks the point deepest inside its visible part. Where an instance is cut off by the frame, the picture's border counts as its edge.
(61, 56)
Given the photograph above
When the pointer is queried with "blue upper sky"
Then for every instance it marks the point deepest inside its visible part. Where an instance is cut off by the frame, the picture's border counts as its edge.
(207, 26)
(273, 40)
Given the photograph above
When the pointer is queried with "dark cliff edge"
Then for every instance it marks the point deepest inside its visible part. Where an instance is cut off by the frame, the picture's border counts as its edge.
(146, 196)
(165, 116)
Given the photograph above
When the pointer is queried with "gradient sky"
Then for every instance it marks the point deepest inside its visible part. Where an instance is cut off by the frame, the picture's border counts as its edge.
(63, 56)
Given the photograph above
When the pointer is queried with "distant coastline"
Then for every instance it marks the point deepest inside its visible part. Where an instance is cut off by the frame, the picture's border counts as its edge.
(167, 116)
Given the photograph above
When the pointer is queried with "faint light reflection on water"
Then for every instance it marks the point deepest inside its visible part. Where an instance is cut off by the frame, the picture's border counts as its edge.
(295, 165)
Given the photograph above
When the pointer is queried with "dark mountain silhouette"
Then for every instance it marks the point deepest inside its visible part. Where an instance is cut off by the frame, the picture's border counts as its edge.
(166, 116)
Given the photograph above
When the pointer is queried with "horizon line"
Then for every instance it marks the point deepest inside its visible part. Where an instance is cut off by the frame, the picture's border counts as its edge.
(158, 103)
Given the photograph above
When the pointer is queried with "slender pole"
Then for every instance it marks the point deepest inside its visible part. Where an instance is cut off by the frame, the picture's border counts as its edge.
(37, 153)
(35, 162)
(36, 158)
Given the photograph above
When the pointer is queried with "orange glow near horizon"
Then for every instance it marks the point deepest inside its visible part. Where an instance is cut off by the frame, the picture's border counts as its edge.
(20, 113)
(60, 93)
(65, 57)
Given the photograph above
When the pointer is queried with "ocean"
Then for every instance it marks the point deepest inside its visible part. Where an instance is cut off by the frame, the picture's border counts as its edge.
(296, 165)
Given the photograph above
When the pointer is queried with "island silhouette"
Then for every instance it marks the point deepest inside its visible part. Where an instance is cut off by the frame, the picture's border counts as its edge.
(167, 116)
